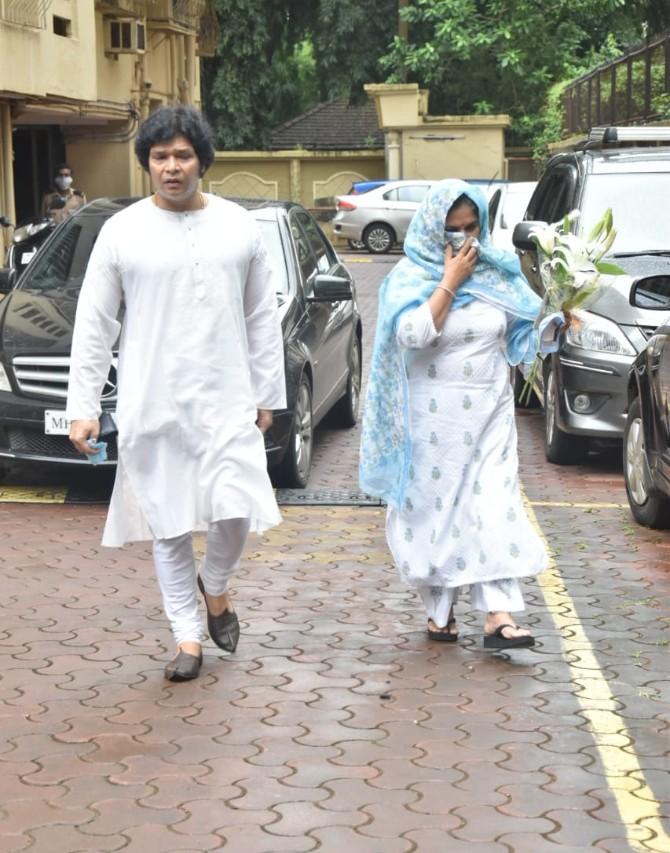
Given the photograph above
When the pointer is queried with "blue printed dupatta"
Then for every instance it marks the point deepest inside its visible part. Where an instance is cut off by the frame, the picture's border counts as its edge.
(386, 440)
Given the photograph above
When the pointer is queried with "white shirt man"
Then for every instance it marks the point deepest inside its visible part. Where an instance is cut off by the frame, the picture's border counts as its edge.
(200, 369)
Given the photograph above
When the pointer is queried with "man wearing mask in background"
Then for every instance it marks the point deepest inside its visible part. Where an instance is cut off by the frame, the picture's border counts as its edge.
(64, 200)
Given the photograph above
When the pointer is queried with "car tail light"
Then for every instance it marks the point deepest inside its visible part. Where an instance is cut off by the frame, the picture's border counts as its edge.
(345, 205)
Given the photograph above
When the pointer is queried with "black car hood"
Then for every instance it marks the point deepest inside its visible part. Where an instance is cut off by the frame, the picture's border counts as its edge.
(36, 323)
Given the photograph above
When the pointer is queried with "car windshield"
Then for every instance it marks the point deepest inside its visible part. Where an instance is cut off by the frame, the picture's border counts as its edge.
(273, 246)
(639, 203)
(63, 264)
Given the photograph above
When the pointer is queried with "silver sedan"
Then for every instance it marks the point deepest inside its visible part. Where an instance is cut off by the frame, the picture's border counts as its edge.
(379, 218)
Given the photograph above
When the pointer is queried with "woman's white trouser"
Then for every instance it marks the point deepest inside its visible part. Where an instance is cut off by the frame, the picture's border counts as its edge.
(176, 572)
(490, 596)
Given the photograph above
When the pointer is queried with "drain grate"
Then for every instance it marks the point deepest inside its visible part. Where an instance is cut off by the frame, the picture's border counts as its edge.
(325, 497)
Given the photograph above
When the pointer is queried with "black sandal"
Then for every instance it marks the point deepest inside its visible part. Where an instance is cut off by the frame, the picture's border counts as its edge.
(184, 667)
(224, 629)
(497, 640)
(444, 636)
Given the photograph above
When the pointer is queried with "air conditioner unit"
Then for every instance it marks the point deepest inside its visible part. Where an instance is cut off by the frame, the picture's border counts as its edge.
(125, 35)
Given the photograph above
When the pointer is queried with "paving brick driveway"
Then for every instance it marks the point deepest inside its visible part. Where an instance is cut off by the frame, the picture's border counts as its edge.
(337, 726)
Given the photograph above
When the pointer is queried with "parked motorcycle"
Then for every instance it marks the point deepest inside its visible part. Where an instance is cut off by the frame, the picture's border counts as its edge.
(26, 240)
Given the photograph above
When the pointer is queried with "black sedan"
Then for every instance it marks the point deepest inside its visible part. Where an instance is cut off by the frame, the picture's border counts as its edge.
(647, 432)
(320, 320)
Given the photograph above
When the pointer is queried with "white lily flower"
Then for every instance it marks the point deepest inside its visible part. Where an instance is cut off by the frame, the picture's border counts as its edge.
(545, 237)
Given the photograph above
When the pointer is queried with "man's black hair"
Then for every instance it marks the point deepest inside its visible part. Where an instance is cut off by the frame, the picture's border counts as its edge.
(166, 123)
(62, 166)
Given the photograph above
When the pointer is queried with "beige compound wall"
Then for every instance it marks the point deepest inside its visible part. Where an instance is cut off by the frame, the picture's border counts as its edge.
(311, 178)
(454, 150)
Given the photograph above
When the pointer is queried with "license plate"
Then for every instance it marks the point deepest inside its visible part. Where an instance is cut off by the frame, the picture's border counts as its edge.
(56, 423)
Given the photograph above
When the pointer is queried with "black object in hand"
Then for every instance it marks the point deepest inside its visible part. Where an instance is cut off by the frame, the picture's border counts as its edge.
(107, 426)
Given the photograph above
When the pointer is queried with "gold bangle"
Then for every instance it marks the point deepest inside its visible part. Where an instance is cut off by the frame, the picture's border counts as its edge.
(446, 289)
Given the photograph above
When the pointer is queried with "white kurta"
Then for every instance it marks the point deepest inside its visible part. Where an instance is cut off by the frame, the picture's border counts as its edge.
(463, 519)
(200, 351)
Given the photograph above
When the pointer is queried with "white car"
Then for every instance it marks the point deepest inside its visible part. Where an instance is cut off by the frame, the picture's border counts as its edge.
(379, 218)
(507, 207)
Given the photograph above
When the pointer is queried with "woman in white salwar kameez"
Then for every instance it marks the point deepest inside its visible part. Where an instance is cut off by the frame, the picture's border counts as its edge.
(439, 437)
(201, 366)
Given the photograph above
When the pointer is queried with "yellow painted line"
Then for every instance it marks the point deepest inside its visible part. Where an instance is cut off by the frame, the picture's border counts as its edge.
(359, 260)
(31, 495)
(578, 505)
(634, 799)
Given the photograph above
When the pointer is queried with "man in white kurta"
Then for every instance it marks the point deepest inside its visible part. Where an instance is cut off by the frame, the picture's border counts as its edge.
(200, 365)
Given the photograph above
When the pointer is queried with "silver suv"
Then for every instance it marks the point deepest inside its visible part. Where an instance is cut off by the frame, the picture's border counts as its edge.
(379, 218)
(583, 385)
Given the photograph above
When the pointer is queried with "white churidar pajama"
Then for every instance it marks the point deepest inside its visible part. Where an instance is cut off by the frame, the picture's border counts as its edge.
(200, 351)
(176, 572)
(463, 522)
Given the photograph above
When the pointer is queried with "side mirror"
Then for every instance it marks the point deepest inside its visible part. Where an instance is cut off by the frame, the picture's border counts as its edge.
(330, 288)
(652, 292)
(521, 236)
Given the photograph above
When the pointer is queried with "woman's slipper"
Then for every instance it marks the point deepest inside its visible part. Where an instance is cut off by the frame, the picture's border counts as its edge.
(443, 636)
(497, 640)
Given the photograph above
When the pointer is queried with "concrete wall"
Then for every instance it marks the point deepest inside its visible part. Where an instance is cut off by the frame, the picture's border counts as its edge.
(453, 148)
(37, 62)
(422, 146)
(311, 178)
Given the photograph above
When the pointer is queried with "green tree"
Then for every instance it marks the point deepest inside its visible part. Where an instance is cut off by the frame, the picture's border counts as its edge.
(276, 58)
(504, 55)
(262, 69)
(349, 37)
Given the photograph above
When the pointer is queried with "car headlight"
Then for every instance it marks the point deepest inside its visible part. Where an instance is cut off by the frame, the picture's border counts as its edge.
(598, 334)
(4, 379)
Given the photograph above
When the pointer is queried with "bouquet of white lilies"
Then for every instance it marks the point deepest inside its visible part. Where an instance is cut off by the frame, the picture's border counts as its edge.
(571, 267)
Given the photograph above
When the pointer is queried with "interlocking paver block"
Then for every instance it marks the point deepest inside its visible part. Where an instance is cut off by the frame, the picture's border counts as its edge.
(337, 725)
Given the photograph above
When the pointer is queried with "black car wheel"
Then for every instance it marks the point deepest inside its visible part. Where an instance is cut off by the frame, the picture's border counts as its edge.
(378, 238)
(293, 470)
(560, 447)
(345, 411)
(648, 506)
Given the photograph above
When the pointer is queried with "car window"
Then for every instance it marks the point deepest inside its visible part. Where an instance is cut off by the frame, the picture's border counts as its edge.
(412, 193)
(493, 207)
(391, 195)
(306, 257)
(273, 246)
(554, 200)
(639, 203)
(323, 259)
(63, 264)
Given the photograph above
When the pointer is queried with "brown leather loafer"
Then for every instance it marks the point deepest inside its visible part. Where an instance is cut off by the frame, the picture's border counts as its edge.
(224, 629)
(183, 667)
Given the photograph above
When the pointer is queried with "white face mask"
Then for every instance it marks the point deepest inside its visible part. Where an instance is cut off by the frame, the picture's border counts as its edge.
(63, 182)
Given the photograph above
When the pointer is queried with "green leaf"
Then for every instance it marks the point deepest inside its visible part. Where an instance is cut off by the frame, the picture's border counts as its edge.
(607, 268)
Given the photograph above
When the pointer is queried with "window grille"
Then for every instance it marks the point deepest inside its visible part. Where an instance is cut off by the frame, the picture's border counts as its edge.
(25, 13)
